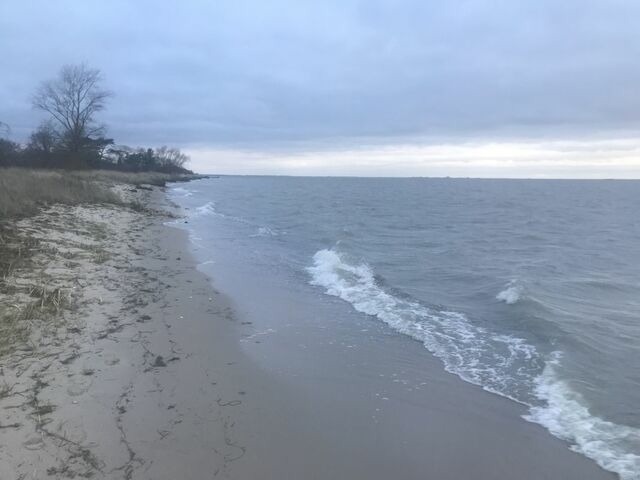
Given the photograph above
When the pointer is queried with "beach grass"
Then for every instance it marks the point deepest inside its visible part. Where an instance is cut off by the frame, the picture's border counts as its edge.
(132, 178)
(23, 191)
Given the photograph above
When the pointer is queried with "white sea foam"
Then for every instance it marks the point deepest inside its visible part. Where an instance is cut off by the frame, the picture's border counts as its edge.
(511, 294)
(183, 192)
(265, 232)
(499, 363)
(503, 364)
(209, 209)
(206, 209)
(566, 415)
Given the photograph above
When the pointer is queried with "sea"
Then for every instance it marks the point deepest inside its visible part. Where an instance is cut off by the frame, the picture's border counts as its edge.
(529, 289)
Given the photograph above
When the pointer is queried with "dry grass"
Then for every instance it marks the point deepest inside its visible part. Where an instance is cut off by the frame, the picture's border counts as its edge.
(24, 305)
(52, 299)
(14, 252)
(22, 191)
(132, 178)
(14, 332)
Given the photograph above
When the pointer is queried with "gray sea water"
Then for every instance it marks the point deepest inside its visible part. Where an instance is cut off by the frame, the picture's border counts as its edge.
(528, 288)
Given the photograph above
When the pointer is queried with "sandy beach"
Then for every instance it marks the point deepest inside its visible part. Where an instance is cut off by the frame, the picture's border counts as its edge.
(146, 371)
(384, 240)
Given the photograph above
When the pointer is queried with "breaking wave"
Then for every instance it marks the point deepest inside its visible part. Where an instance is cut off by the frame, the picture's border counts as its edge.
(502, 364)
(206, 209)
(511, 294)
(183, 192)
(565, 414)
(265, 232)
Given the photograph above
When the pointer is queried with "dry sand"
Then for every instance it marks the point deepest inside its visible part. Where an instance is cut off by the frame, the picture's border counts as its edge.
(140, 374)
(103, 387)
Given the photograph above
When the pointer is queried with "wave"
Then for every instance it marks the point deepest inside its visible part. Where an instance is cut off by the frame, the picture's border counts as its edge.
(183, 192)
(498, 363)
(502, 364)
(265, 232)
(566, 416)
(511, 294)
(206, 209)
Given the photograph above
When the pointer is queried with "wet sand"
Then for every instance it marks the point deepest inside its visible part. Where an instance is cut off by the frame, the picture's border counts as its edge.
(156, 375)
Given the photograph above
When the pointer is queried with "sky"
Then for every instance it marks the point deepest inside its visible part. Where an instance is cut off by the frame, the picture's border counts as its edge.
(485, 88)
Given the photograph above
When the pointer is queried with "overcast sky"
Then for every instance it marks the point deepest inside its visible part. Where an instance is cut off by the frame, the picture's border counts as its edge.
(414, 87)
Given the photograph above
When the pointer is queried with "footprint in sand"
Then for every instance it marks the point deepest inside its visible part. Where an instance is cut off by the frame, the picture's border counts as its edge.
(111, 360)
(34, 443)
(78, 386)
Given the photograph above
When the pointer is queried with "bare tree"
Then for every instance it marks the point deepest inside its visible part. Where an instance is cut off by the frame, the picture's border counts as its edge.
(73, 99)
(44, 139)
(170, 157)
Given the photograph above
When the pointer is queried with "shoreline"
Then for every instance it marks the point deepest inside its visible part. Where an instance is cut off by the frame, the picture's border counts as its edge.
(356, 386)
(156, 375)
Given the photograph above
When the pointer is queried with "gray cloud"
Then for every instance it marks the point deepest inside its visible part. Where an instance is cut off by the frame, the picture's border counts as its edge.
(256, 74)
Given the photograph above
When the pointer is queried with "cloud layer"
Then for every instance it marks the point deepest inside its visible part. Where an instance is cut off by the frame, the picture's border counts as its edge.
(267, 76)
